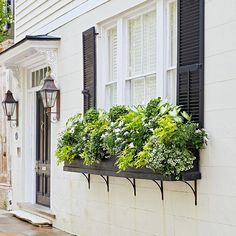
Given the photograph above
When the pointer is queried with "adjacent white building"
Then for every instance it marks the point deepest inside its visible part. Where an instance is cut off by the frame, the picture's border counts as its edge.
(136, 60)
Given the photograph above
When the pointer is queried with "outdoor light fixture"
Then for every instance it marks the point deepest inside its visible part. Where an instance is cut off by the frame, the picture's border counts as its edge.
(9, 106)
(50, 95)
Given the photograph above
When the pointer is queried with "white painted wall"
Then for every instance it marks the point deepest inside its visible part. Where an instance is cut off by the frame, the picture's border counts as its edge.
(36, 17)
(95, 212)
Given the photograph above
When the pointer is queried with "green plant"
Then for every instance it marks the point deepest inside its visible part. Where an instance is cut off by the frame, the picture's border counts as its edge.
(71, 141)
(159, 136)
(5, 18)
(95, 126)
(125, 137)
(170, 149)
(116, 112)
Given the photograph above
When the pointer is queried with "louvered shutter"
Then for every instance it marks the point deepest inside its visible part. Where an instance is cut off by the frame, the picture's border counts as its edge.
(190, 66)
(89, 61)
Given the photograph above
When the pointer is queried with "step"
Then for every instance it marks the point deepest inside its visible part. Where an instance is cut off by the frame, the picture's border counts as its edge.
(31, 218)
(38, 210)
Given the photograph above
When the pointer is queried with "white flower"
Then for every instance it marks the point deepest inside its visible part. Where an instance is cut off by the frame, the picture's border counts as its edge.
(205, 139)
(84, 138)
(131, 145)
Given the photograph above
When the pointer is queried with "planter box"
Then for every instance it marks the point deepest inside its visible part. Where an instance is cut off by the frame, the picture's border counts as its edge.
(108, 168)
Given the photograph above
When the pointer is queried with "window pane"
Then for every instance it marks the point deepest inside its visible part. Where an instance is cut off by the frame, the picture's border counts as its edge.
(137, 92)
(135, 46)
(173, 34)
(112, 40)
(149, 42)
(111, 92)
(45, 72)
(150, 87)
(33, 79)
(38, 76)
(171, 86)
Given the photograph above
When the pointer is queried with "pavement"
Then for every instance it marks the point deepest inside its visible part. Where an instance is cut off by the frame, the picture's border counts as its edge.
(12, 226)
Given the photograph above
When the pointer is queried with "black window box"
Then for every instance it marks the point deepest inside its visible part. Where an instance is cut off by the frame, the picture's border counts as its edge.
(107, 168)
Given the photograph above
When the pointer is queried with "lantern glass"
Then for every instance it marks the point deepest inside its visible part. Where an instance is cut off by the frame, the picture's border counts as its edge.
(51, 98)
(44, 98)
(10, 108)
(49, 93)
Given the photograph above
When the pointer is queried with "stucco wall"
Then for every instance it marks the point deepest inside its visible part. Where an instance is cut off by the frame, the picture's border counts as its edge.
(95, 212)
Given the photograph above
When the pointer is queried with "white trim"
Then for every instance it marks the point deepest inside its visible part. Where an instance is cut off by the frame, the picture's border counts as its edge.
(168, 66)
(71, 15)
(160, 48)
(10, 55)
(140, 75)
(30, 138)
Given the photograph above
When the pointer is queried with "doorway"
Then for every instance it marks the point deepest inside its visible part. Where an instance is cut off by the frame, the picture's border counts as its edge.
(43, 152)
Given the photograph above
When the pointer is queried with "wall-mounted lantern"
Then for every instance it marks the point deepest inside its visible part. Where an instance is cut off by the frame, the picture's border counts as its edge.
(9, 106)
(50, 95)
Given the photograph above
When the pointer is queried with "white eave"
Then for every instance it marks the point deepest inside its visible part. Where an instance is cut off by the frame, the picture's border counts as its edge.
(28, 51)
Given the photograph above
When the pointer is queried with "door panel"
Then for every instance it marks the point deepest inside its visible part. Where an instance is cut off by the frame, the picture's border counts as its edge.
(43, 137)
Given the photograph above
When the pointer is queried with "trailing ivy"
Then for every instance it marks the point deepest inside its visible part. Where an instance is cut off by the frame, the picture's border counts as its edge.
(5, 19)
(159, 136)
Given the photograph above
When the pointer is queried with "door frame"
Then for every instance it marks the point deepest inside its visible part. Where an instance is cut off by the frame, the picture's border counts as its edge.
(29, 134)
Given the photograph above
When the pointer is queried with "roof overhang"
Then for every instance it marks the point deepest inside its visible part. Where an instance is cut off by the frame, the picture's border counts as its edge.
(29, 51)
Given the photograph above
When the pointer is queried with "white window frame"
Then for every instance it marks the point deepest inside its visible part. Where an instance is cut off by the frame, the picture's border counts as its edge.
(169, 67)
(162, 52)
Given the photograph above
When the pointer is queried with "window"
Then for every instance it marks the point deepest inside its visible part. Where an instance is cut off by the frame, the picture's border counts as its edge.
(37, 76)
(141, 79)
(141, 55)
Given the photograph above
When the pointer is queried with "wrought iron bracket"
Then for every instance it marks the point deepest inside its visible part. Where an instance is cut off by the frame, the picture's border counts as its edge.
(160, 185)
(106, 179)
(88, 177)
(133, 183)
(193, 188)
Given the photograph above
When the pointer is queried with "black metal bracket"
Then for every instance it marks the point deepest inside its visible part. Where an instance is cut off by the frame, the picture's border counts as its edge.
(193, 188)
(88, 177)
(106, 179)
(133, 183)
(160, 187)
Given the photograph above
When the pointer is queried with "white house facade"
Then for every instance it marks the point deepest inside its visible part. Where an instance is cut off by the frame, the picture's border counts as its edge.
(136, 44)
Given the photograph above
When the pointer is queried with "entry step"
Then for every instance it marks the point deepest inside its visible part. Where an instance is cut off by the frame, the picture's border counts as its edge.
(38, 210)
(31, 218)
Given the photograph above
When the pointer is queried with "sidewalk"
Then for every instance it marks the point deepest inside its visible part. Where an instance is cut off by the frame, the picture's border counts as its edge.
(11, 226)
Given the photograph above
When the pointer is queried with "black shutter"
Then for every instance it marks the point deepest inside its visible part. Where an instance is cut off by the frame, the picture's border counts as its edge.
(89, 60)
(190, 66)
